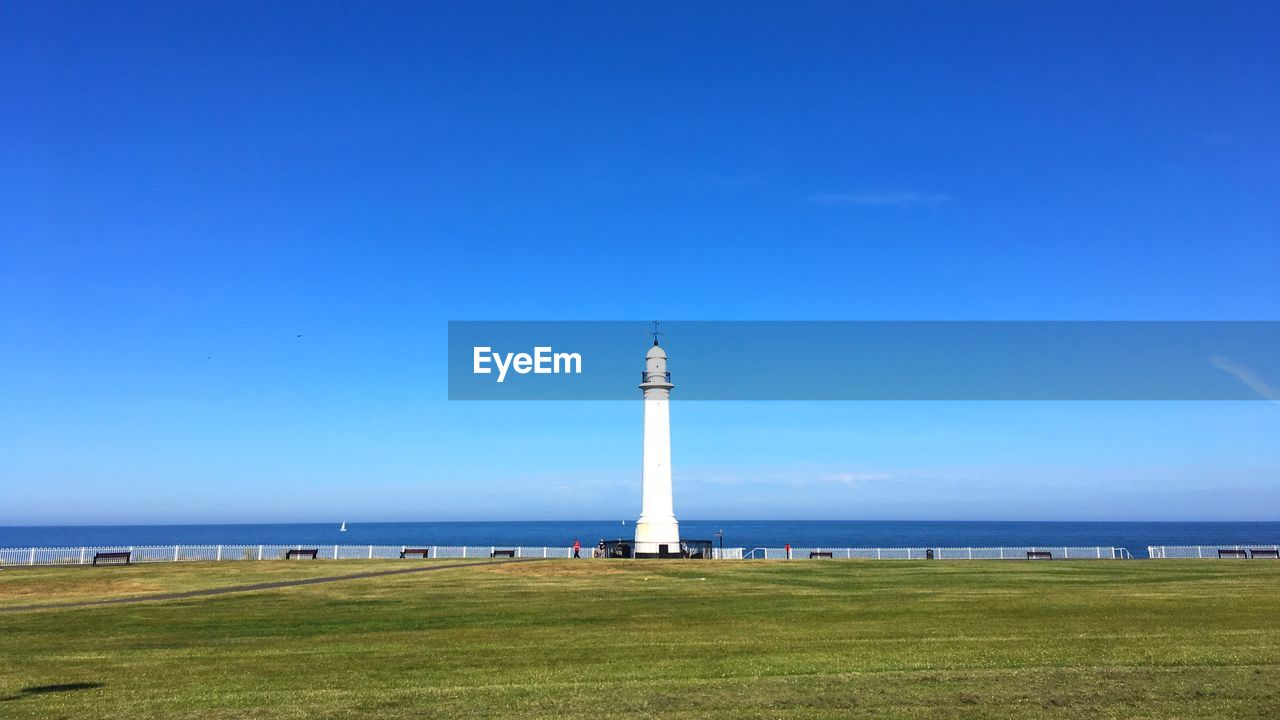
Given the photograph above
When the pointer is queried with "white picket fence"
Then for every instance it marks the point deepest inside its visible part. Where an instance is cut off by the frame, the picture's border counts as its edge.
(941, 553)
(214, 553)
(1213, 551)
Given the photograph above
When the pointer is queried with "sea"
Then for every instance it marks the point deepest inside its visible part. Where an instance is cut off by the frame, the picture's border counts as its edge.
(1134, 536)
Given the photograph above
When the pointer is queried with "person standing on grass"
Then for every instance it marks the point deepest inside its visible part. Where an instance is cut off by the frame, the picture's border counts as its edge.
(577, 548)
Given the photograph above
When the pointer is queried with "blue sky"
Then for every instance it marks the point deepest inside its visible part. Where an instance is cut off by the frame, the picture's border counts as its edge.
(185, 190)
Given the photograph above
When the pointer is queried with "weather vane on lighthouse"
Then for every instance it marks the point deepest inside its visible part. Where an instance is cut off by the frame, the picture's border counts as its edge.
(657, 532)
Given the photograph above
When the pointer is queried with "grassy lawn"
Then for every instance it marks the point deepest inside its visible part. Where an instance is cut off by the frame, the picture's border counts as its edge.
(601, 639)
(42, 585)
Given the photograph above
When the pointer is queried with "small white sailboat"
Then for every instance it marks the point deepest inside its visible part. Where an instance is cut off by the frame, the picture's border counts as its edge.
(344, 526)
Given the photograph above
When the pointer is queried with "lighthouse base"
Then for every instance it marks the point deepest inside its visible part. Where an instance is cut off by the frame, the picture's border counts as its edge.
(656, 539)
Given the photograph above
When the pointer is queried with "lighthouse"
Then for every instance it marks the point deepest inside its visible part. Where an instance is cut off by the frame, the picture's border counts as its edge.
(657, 532)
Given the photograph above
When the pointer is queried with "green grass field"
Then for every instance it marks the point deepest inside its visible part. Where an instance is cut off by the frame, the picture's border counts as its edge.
(605, 639)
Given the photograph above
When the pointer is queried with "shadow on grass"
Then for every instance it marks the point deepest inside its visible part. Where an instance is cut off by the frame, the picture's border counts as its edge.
(44, 689)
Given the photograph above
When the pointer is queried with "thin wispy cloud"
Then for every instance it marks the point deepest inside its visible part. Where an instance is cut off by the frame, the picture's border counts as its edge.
(794, 474)
(854, 478)
(1246, 375)
(903, 198)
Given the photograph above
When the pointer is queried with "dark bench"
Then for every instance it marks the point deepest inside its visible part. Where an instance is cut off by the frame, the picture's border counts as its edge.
(424, 552)
(502, 553)
(815, 554)
(113, 556)
(1262, 552)
(291, 554)
(1222, 553)
(1039, 555)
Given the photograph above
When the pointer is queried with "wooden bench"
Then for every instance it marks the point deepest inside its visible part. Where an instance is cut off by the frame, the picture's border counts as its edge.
(424, 552)
(815, 554)
(291, 554)
(126, 556)
(1039, 555)
(502, 553)
(1223, 553)
(1264, 553)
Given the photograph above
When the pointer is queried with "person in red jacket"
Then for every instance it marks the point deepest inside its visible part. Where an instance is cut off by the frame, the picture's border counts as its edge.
(577, 547)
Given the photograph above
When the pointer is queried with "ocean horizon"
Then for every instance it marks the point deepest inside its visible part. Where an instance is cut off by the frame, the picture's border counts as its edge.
(1134, 536)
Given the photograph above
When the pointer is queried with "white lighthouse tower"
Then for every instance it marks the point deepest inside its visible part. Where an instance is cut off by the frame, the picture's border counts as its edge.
(657, 532)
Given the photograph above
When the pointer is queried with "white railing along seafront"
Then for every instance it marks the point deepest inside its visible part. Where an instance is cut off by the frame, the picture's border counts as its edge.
(194, 553)
(84, 555)
(1259, 550)
(1056, 552)
(213, 553)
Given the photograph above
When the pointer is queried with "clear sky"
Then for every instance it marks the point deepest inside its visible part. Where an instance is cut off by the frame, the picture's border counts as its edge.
(231, 236)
